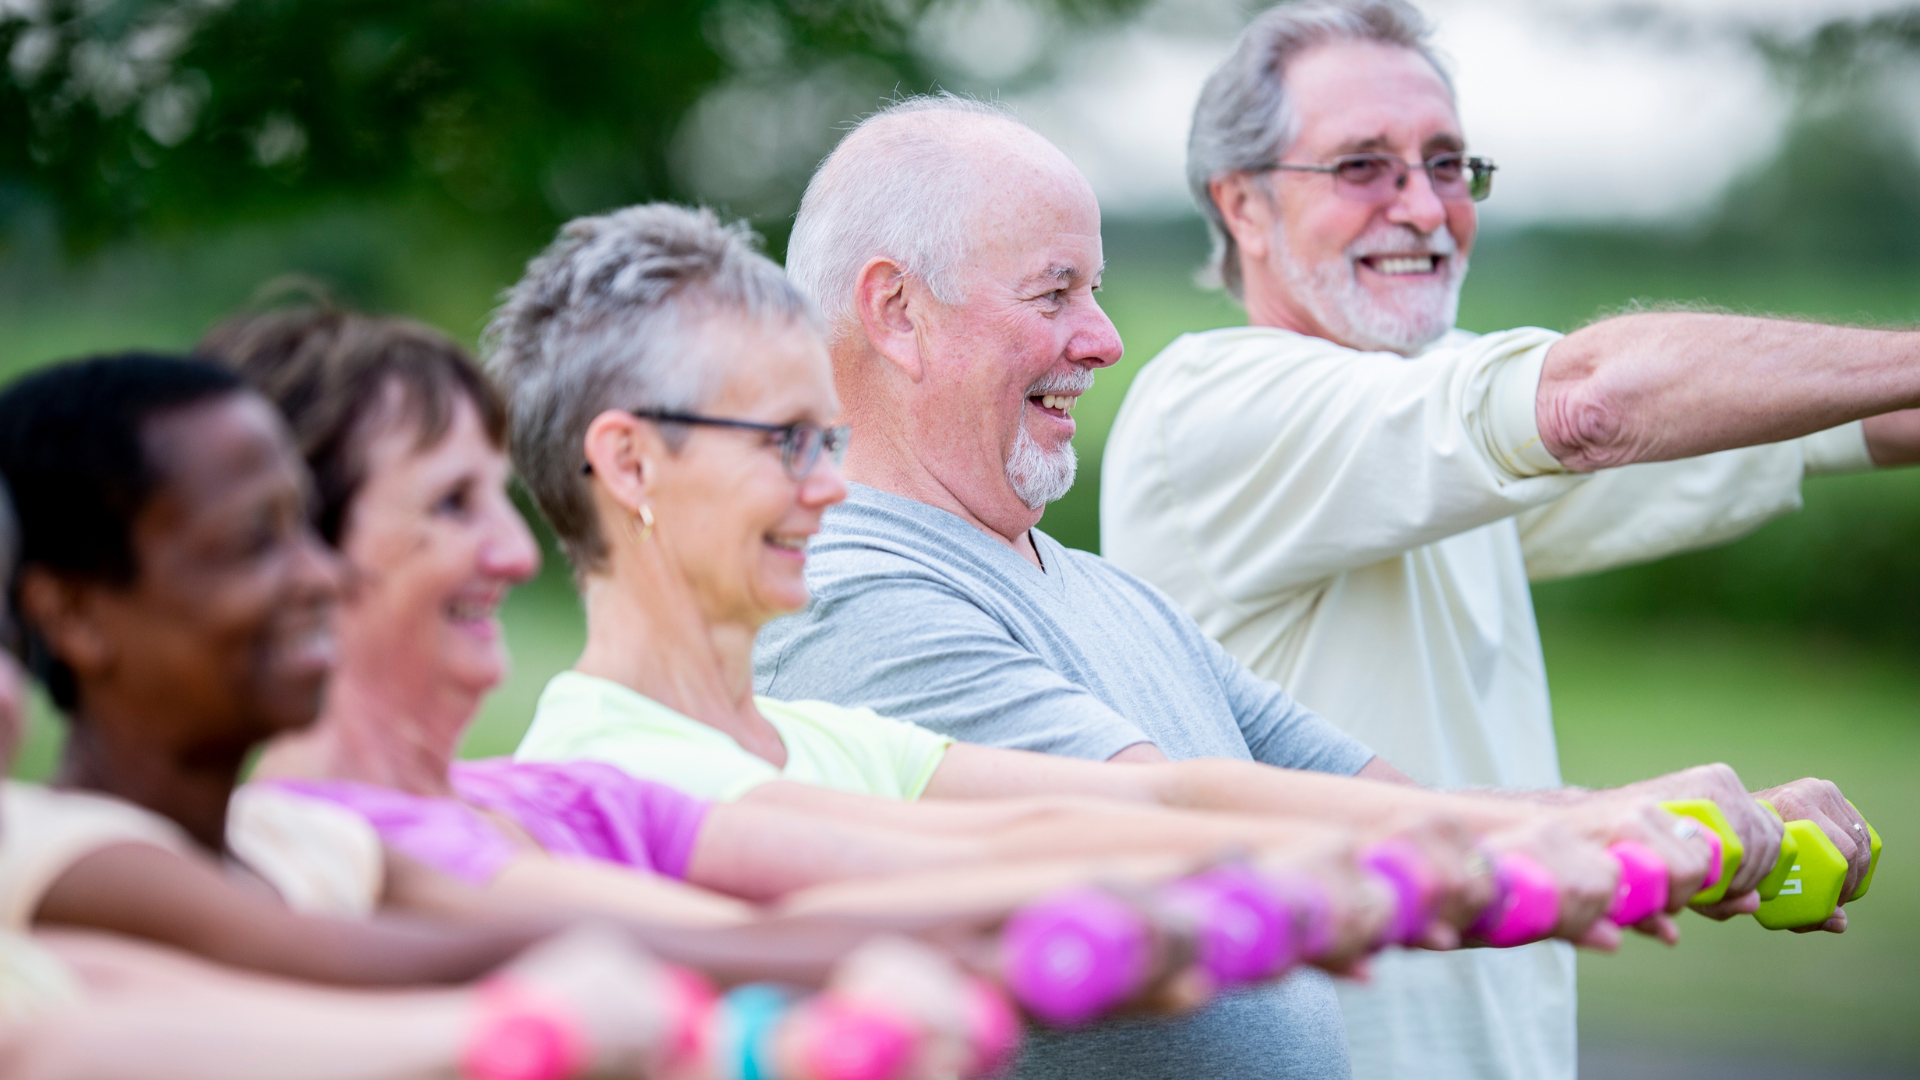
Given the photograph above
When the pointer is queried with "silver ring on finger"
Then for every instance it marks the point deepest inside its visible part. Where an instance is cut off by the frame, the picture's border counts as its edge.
(1686, 829)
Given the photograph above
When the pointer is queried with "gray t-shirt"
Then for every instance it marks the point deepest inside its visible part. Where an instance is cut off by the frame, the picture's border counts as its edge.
(919, 616)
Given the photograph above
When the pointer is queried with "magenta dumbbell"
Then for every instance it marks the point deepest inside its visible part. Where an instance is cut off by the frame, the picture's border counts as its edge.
(1400, 865)
(993, 1030)
(846, 1040)
(1525, 907)
(1642, 890)
(1246, 931)
(1075, 955)
(1716, 862)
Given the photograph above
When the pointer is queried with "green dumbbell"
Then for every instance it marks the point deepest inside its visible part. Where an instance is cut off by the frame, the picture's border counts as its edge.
(1707, 813)
(1809, 876)
(1803, 887)
(1811, 888)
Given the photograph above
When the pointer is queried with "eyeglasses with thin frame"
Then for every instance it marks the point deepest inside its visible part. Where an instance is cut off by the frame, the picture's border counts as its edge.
(800, 443)
(1377, 178)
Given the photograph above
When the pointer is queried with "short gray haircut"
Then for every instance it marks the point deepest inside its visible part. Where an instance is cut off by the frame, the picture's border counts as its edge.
(892, 190)
(608, 316)
(1244, 120)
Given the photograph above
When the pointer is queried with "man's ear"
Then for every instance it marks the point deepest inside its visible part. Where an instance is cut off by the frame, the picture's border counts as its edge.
(889, 313)
(623, 453)
(1249, 210)
(62, 612)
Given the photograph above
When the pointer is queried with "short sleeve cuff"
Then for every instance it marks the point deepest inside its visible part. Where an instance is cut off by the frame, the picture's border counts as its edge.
(1513, 426)
(917, 781)
(1837, 450)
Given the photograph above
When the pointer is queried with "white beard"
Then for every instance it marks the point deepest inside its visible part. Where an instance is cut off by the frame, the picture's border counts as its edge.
(1039, 476)
(1331, 292)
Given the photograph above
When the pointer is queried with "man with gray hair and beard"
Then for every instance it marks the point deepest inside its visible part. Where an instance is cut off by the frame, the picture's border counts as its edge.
(1351, 495)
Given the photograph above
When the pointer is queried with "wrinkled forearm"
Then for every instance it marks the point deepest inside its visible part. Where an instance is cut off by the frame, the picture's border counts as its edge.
(1663, 386)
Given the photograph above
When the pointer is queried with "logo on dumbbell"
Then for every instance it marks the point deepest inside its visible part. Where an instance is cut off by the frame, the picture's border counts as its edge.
(1792, 885)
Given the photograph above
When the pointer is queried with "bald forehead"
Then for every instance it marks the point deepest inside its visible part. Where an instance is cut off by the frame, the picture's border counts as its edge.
(984, 144)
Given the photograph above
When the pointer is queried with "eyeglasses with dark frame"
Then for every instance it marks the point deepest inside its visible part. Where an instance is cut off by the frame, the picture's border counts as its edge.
(800, 442)
(1379, 177)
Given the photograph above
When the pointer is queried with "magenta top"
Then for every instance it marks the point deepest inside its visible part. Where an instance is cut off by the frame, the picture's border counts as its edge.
(585, 809)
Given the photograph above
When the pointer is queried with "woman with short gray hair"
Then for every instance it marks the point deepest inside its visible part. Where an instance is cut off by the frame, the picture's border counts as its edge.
(613, 311)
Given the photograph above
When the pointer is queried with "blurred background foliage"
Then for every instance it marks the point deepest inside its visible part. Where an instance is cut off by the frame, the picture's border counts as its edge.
(161, 159)
(137, 117)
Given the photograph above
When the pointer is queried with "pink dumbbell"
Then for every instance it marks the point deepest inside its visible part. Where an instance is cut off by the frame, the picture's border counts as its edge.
(1399, 864)
(1642, 890)
(848, 1040)
(993, 1030)
(1246, 931)
(1716, 862)
(1525, 907)
(837, 1039)
(1075, 955)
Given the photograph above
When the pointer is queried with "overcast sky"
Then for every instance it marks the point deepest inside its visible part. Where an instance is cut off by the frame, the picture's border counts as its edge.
(1587, 121)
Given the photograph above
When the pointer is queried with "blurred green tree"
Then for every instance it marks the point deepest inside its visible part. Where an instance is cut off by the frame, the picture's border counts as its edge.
(132, 115)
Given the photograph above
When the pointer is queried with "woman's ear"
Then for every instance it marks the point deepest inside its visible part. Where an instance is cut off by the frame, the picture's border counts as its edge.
(62, 612)
(622, 452)
(1249, 211)
(887, 309)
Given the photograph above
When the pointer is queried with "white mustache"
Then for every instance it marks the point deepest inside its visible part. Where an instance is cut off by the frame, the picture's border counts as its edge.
(1402, 240)
(1076, 381)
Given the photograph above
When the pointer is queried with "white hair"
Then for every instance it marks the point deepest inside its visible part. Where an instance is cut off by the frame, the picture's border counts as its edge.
(890, 190)
(1244, 122)
(610, 316)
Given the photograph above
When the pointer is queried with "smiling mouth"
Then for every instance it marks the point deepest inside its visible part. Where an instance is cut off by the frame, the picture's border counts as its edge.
(794, 542)
(1055, 404)
(1403, 265)
(471, 610)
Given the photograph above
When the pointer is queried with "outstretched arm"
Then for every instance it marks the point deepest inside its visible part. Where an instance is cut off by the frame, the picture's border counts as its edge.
(146, 892)
(1668, 385)
(1370, 807)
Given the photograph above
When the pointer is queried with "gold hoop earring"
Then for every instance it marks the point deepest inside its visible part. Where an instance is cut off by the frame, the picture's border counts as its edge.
(645, 531)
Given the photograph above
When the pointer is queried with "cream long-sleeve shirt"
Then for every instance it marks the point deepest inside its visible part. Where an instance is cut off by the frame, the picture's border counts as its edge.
(1361, 528)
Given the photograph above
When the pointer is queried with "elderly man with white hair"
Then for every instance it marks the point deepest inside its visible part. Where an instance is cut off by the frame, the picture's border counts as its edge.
(955, 253)
(1351, 495)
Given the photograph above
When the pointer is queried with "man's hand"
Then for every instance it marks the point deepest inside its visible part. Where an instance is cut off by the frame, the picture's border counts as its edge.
(1359, 903)
(1820, 802)
(1462, 880)
(1759, 831)
(1582, 870)
(1613, 816)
